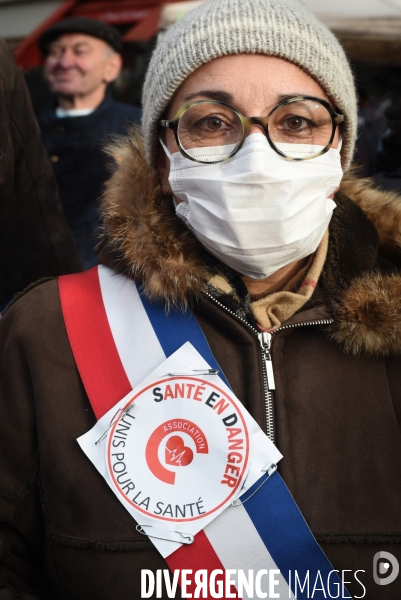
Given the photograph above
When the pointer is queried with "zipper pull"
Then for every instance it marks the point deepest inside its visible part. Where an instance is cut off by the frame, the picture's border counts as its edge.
(265, 343)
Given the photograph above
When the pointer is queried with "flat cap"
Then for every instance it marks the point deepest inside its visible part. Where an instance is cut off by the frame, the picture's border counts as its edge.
(96, 29)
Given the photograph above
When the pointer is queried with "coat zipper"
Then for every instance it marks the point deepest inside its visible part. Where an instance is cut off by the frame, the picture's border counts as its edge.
(268, 381)
(265, 341)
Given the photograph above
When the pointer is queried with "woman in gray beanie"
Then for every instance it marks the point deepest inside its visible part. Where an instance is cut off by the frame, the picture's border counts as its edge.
(228, 224)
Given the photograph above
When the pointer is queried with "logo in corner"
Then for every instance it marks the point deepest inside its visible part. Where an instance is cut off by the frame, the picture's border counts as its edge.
(385, 568)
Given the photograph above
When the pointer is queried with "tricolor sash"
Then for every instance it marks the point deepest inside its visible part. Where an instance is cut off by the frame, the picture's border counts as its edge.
(118, 338)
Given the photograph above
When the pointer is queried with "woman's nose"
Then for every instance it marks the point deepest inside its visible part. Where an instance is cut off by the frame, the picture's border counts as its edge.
(255, 128)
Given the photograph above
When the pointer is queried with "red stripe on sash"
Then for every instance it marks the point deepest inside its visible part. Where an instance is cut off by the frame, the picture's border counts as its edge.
(91, 340)
(199, 555)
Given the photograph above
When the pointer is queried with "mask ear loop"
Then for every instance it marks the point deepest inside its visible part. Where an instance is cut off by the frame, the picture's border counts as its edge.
(166, 150)
(168, 154)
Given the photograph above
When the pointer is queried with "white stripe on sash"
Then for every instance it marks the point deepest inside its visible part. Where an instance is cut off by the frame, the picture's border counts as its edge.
(240, 547)
(137, 344)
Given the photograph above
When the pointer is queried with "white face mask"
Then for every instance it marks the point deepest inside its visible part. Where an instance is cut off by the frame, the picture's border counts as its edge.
(258, 211)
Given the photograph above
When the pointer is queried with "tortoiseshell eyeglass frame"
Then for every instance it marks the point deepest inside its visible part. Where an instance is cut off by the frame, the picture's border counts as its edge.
(336, 119)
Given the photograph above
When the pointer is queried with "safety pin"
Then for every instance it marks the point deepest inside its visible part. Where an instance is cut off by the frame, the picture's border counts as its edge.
(195, 372)
(270, 468)
(123, 413)
(186, 538)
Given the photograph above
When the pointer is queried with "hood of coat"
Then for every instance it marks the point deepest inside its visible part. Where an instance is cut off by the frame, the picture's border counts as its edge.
(361, 279)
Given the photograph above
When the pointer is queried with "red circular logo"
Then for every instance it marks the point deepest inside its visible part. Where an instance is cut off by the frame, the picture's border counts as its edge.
(182, 452)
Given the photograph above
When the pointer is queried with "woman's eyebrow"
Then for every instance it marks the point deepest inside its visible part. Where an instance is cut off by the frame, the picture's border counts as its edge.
(228, 98)
(212, 95)
(284, 97)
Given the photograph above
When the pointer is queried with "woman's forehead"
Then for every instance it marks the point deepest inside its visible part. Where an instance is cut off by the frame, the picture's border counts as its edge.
(253, 83)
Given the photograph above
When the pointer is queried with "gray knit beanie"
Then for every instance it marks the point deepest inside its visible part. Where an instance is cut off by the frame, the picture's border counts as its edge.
(282, 28)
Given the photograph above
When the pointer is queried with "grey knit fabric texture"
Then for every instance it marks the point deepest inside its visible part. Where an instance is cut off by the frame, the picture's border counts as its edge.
(282, 28)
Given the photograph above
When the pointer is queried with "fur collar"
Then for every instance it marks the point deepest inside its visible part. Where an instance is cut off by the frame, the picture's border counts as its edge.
(360, 284)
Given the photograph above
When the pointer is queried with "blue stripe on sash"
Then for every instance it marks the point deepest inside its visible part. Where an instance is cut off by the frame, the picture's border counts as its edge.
(289, 540)
(272, 509)
(175, 328)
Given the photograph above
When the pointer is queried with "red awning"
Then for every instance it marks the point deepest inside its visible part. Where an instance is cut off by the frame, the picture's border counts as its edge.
(145, 29)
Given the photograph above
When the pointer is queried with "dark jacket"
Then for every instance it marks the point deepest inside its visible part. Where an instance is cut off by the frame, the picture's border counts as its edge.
(35, 240)
(337, 403)
(75, 148)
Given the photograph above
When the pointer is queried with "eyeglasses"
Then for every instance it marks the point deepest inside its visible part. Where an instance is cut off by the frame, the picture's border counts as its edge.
(300, 128)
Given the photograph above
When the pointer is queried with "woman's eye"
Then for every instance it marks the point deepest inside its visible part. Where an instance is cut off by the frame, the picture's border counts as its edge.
(295, 123)
(214, 123)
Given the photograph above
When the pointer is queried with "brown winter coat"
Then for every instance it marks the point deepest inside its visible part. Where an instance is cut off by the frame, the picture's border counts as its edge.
(337, 403)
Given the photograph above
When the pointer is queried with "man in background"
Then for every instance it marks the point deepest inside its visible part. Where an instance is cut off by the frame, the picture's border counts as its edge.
(82, 58)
